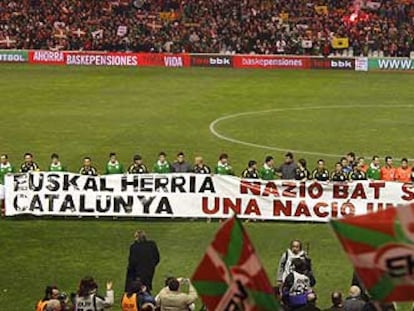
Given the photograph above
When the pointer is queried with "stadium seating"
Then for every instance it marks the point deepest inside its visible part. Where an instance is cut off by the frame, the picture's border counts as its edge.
(233, 26)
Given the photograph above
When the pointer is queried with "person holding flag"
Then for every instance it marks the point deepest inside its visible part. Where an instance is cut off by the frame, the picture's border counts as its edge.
(113, 166)
(230, 275)
(55, 165)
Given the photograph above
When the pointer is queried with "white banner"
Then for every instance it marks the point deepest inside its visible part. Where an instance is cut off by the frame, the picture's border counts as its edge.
(196, 196)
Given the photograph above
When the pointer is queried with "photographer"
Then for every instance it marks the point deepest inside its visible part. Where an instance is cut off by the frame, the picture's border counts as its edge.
(285, 265)
(87, 298)
(170, 298)
(297, 285)
(51, 292)
(137, 298)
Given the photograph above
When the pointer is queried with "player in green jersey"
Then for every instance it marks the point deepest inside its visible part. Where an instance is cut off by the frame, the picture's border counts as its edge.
(374, 169)
(267, 171)
(5, 167)
(223, 167)
(162, 166)
(113, 166)
(55, 165)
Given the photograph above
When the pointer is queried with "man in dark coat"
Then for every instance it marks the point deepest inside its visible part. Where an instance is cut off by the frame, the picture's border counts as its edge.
(143, 258)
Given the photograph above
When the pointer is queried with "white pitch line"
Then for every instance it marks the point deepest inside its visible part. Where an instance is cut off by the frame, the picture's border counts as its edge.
(213, 125)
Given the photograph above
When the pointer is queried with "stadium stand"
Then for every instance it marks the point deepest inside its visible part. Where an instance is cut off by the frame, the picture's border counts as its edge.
(339, 27)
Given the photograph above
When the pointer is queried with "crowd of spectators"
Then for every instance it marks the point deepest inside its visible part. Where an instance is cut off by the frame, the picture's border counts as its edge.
(380, 27)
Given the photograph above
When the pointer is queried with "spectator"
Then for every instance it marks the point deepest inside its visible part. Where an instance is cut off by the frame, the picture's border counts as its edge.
(388, 170)
(378, 306)
(87, 297)
(320, 173)
(142, 261)
(251, 171)
(297, 285)
(29, 165)
(162, 166)
(55, 165)
(223, 167)
(137, 167)
(113, 166)
(267, 171)
(288, 169)
(403, 173)
(302, 173)
(180, 165)
(338, 174)
(354, 301)
(137, 298)
(200, 167)
(87, 168)
(51, 292)
(278, 27)
(311, 303)
(374, 169)
(285, 264)
(172, 299)
(337, 302)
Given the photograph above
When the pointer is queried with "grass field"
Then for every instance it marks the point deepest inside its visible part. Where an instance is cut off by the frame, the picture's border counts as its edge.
(93, 111)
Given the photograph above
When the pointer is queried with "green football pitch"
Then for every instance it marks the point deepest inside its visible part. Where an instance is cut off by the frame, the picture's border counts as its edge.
(79, 111)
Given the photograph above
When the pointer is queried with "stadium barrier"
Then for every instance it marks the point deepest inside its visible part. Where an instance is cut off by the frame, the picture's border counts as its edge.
(195, 196)
(91, 58)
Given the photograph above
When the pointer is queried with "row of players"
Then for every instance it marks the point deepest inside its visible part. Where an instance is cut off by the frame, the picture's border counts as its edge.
(348, 168)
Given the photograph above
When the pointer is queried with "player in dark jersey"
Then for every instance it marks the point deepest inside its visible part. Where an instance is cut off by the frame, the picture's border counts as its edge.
(87, 168)
(301, 172)
(199, 166)
(320, 173)
(137, 167)
(339, 173)
(251, 171)
(357, 173)
(29, 165)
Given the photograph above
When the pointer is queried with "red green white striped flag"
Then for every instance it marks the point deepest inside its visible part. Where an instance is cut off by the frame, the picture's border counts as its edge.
(381, 248)
(230, 275)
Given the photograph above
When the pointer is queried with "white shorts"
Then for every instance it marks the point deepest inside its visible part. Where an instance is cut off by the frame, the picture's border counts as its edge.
(2, 192)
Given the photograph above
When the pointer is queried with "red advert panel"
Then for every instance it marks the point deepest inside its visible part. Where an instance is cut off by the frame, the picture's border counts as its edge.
(164, 60)
(46, 57)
